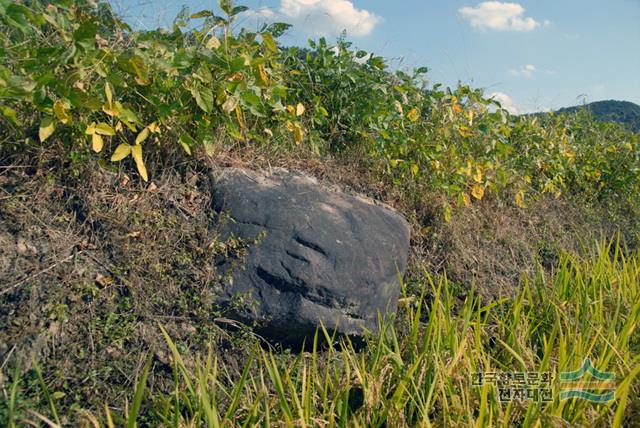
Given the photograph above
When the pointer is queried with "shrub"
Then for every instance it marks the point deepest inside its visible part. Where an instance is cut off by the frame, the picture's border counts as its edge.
(76, 78)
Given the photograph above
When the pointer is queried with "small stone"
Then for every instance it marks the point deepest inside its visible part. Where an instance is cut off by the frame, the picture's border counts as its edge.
(21, 246)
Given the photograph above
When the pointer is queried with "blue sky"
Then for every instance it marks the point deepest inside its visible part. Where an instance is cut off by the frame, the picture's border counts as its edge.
(533, 55)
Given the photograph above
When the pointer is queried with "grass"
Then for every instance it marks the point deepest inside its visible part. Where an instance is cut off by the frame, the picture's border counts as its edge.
(418, 370)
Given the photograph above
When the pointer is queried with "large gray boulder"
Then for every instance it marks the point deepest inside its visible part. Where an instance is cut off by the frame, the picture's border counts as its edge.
(315, 255)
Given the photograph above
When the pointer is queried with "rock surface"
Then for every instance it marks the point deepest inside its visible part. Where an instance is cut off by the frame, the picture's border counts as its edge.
(318, 256)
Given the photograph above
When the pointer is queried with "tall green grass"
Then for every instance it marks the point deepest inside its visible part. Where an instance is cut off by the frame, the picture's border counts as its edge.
(418, 370)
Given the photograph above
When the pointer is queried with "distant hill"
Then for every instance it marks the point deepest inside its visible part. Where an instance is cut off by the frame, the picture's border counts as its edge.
(623, 112)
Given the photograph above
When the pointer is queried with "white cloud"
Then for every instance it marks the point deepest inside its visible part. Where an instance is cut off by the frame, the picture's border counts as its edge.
(261, 14)
(524, 71)
(505, 101)
(496, 15)
(327, 17)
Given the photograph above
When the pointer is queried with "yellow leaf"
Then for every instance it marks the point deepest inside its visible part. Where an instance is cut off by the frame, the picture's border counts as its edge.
(477, 191)
(478, 175)
(520, 199)
(465, 132)
(142, 135)
(104, 129)
(289, 126)
(457, 108)
(91, 129)
(121, 152)
(61, 113)
(185, 146)
(136, 152)
(97, 143)
(235, 76)
(466, 199)
(299, 109)
(108, 93)
(298, 133)
(447, 213)
(142, 81)
(154, 127)
(213, 43)
(112, 109)
(46, 128)
(240, 117)
(269, 42)
(413, 115)
(415, 169)
(263, 74)
(119, 127)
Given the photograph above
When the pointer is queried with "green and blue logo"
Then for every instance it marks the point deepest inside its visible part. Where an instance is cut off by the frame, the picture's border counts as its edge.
(573, 385)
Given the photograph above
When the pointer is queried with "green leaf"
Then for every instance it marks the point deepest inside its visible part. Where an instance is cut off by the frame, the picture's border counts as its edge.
(10, 115)
(58, 395)
(139, 393)
(226, 6)
(201, 14)
(238, 9)
(46, 128)
(85, 35)
(16, 16)
(209, 147)
(186, 141)
(251, 99)
(203, 97)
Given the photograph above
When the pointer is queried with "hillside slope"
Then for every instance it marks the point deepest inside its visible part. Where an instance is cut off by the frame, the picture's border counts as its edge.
(624, 112)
